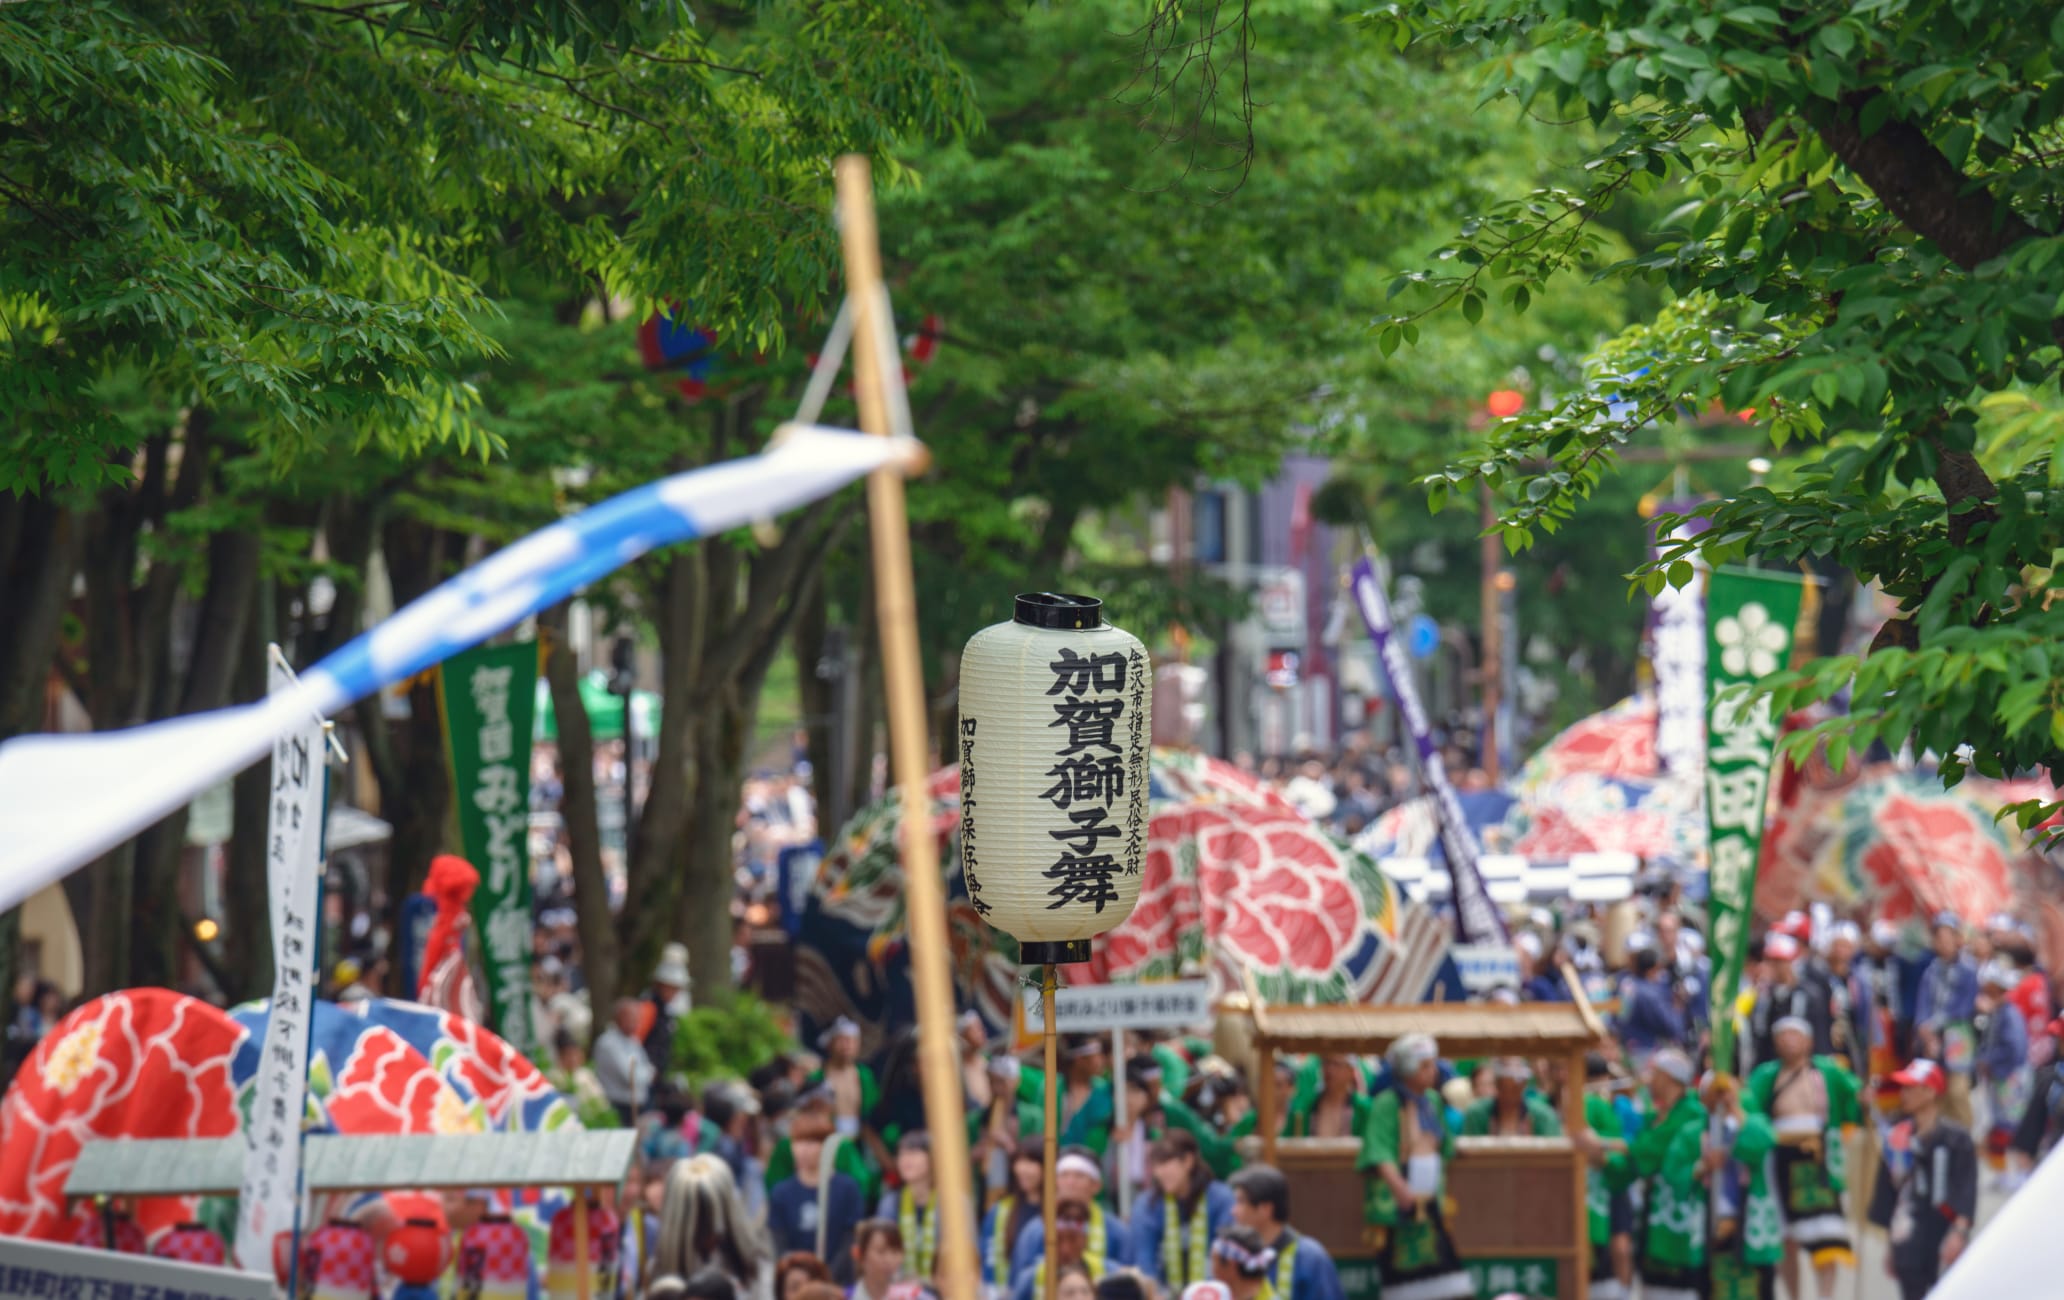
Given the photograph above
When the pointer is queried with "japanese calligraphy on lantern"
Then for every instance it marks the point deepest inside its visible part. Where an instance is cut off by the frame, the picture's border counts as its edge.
(293, 868)
(489, 698)
(1751, 616)
(1053, 737)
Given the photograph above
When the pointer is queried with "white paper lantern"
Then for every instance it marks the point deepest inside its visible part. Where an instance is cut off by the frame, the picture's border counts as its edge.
(1054, 729)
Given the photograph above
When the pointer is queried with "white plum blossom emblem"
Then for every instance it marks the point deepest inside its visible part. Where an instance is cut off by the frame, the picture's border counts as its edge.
(1750, 642)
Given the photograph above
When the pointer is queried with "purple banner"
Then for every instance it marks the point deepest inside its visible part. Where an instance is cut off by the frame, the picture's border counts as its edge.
(1477, 919)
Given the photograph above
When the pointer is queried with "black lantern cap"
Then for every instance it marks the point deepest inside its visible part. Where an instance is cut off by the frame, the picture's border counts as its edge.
(1052, 952)
(1058, 611)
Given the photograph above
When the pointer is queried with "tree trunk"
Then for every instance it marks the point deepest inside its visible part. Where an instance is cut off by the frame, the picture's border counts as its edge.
(246, 962)
(39, 553)
(819, 655)
(408, 757)
(218, 646)
(577, 806)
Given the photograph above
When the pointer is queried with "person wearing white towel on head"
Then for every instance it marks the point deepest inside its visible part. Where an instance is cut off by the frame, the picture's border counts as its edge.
(1106, 1244)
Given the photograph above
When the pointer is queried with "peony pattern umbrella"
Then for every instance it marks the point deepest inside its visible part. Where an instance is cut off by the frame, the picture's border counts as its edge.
(1234, 876)
(1896, 840)
(153, 1063)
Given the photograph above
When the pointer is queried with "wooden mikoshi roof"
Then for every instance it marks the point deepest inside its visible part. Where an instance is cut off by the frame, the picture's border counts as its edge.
(1461, 1029)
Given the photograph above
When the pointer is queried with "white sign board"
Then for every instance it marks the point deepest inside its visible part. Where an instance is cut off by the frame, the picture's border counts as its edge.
(1485, 966)
(293, 867)
(1279, 600)
(42, 1270)
(1099, 1008)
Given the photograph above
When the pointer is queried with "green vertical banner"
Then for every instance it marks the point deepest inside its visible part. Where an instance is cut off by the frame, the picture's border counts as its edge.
(489, 699)
(1750, 616)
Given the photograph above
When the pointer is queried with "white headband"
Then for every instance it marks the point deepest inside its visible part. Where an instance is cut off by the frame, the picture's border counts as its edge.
(1077, 1164)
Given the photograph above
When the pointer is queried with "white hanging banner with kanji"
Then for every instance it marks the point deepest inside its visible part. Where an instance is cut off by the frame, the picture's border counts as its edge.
(293, 874)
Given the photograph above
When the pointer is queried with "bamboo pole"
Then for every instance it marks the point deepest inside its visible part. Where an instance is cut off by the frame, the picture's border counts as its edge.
(1050, 1196)
(903, 678)
(580, 1242)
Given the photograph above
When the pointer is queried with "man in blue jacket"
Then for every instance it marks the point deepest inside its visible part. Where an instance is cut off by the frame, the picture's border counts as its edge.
(1301, 1270)
(1649, 1018)
(1945, 1012)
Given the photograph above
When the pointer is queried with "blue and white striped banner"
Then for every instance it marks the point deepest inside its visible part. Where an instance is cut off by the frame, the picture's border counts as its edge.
(65, 799)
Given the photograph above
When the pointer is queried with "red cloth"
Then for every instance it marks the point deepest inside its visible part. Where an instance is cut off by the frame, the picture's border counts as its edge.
(2032, 997)
(450, 885)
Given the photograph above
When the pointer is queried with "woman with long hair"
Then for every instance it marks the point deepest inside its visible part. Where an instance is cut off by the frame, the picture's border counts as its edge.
(1020, 1206)
(703, 1223)
(1173, 1228)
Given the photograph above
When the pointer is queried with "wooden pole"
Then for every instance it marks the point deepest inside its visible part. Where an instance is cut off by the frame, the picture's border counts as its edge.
(1050, 1194)
(903, 678)
(1574, 1122)
(580, 1227)
(1265, 1086)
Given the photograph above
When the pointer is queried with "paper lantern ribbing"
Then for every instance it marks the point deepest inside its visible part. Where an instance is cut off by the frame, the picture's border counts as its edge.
(1054, 731)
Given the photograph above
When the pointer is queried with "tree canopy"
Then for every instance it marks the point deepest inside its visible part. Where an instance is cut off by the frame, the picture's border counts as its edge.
(1861, 248)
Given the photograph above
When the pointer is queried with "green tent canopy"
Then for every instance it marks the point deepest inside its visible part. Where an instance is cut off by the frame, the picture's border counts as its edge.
(605, 711)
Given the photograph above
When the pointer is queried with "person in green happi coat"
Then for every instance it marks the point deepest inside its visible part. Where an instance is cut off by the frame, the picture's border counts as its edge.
(1662, 1160)
(1746, 1237)
(1808, 1101)
(1406, 1145)
(1329, 1099)
(1511, 1110)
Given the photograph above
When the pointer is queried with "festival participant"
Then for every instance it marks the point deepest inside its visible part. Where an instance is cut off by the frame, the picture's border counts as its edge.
(913, 1207)
(2002, 1053)
(1173, 1227)
(1510, 1110)
(2031, 990)
(877, 1259)
(621, 1065)
(1662, 1161)
(807, 1210)
(704, 1224)
(819, 1104)
(2042, 1123)
(1787, 994)
(1074, 1248)
(1849, 994)
(1077, 1178)
(1808, 1100)
(1336, 1107)
(1406, 1144)
(1610, 1211)
(1126, 1162)
(1020, 1206)
(1302, 1269)
(1649, 1017)
(1747, 1227)
(1945, 1010)
(664, 1003)
(796, 1271)
(1928, 1210)
(854, 1091)
(1891, 1013)
(1241, 1264)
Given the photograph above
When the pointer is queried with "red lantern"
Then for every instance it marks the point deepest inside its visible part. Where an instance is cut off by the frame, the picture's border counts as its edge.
(1505, 403)
(418, 1251)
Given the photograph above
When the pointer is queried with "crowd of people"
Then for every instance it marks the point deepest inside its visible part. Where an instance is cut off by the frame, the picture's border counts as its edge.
(1921, 1068)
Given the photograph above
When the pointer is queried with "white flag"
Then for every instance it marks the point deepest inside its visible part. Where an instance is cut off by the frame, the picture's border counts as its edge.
(293, 866)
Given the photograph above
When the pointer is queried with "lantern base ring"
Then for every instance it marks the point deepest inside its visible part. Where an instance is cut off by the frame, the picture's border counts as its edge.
(1054, 952)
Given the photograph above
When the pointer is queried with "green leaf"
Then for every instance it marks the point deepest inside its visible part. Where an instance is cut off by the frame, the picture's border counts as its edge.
(1472, 307)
